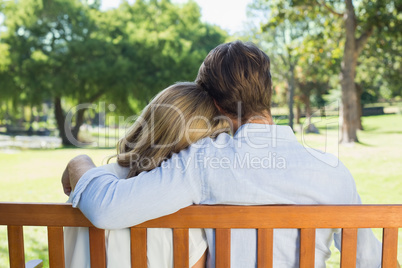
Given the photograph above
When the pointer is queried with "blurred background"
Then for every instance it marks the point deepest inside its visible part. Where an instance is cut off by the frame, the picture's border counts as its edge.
(74, 74)
(112, 57)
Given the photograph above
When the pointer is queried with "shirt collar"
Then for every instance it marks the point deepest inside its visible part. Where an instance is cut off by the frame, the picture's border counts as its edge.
(265, 130)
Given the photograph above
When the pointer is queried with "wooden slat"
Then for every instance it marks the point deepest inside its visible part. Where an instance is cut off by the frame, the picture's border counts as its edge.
(265, 248)
(203, 216)
(97, 247)
(56, 246)
(16, 246)
(307, 248)
(45, 215)
(138, 244)
(222, 248)
(349, 246)
(180, 248)
(221, 217)
(390, 248)
(297, 216)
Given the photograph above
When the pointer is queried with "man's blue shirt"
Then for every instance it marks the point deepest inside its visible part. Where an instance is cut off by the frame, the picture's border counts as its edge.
(260, 164)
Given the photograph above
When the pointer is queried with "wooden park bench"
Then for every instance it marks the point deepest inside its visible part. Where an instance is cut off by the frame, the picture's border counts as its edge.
(307, 218)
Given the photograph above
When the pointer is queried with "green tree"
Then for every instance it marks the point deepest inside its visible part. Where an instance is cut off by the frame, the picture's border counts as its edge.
(54, 55)
(355, 27)
(380, 69)
(294, 38)
(318, 66)
(359, 24)
(282, 35)
(73, 53)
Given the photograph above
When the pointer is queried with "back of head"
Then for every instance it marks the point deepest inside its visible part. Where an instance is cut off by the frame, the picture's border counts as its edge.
(177, 117)
(237, 76)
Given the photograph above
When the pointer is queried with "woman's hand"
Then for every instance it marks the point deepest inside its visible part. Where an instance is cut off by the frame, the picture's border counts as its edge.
(74, 171)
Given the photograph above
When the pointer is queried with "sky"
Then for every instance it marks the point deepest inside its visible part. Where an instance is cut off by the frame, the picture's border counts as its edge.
(228, 14)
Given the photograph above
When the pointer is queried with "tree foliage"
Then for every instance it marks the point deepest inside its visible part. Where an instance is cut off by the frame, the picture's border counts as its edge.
(335, 41)
(71, 52)
(302, 54)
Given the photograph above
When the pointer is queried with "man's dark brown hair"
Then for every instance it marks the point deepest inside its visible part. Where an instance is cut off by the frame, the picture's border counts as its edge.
(237, 75)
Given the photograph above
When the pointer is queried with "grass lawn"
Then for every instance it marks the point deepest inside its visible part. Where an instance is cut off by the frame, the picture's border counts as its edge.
(375, 162)
(34, 176)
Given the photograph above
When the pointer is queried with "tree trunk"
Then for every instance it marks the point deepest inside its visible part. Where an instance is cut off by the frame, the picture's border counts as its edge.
(60, 119)
(79, 120)
(291, 93)
(298, 113)
(307, 105)
(359, 92)
(308, 113)
(349, 109)
(68, 133)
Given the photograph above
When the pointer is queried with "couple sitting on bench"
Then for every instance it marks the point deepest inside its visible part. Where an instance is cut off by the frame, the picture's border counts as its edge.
(210, 142)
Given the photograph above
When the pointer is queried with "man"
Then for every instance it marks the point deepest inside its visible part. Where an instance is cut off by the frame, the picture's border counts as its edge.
(261, 164)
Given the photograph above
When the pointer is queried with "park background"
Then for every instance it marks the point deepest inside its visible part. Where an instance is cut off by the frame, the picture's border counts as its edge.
(336, 83)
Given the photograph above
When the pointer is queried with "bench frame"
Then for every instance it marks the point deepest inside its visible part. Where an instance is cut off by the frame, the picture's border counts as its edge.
(222, 218)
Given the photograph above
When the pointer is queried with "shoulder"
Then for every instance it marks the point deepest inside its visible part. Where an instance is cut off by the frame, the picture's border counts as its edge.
(331, 174)
(116, 169)
(327, 159)
(208, 144)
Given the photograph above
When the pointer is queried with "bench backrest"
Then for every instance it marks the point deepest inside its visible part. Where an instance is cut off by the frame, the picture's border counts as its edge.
(307, 218)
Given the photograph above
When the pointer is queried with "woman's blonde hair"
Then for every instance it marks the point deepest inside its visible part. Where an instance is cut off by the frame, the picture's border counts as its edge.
(177, 117)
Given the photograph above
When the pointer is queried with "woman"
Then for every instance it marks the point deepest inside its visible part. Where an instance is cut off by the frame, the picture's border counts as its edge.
(177, 117)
